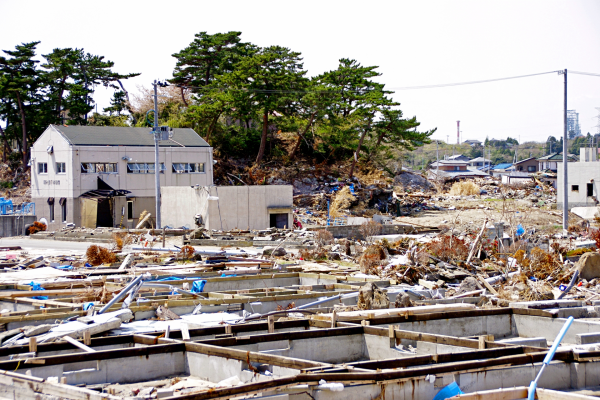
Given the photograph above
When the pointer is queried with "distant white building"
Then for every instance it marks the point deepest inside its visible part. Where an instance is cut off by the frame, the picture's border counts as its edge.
(104, 176)
(584, 178)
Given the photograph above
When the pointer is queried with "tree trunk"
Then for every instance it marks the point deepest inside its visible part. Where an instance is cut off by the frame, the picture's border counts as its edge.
(24, 128)
(263, 138)
(379, 139)
(5, 143)
(302, 136)
(360, 142)
(183, 97)
(133, 119)
(211, 127)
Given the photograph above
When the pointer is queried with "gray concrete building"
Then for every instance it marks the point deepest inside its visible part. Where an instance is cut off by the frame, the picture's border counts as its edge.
(228, 207)
(584, 178)
(104, 176)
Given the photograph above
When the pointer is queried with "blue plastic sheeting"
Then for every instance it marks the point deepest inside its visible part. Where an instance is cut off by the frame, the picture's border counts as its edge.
(449, 391)
(64, 267)
(170, 278)
(36, 286)
(86, 306)
(223, 275)
(88, 265)
(520, 230)
(198, 286)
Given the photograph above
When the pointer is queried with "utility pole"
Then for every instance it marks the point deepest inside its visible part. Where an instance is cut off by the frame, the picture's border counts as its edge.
(156, 132)
(565, 162)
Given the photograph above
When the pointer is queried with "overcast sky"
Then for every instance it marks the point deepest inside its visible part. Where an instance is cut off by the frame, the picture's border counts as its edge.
(414, 43)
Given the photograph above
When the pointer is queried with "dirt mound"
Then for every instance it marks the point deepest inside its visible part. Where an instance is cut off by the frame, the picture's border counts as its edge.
(413, 182)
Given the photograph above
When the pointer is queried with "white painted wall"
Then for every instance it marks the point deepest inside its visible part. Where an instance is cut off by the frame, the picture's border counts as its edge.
(241, 207)
(580, 173)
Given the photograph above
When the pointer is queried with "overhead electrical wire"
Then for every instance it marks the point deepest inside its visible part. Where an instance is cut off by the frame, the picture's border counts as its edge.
(389, 89)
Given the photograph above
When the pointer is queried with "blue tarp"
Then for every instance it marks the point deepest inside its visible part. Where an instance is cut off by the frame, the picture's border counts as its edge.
(36, 286)
(198, 286)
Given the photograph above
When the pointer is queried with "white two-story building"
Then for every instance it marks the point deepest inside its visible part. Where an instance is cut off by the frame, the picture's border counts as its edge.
(104, 176)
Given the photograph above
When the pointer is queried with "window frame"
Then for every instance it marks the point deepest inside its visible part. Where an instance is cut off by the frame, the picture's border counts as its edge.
(45, 168)
(64, 168)
(574, 188)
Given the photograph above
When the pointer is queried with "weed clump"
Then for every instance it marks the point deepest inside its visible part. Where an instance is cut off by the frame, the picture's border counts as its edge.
(187, 252)
(37, 227)
(466, 188)
(448, 248)
(120, 240)
(97, 255)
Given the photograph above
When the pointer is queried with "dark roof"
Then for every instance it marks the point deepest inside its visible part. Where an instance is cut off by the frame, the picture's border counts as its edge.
(557, 157)
(126, 136)
(525, 160)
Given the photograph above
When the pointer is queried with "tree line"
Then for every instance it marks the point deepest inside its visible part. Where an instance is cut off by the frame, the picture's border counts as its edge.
(241, 98)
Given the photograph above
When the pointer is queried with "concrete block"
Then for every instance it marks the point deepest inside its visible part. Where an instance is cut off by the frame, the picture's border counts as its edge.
(587, 338)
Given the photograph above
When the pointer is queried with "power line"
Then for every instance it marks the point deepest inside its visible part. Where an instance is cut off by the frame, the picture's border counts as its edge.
(471, 82)
(383, 89)
(583, 73)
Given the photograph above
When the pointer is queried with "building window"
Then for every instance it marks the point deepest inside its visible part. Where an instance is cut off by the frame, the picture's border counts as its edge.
(143, 168)
(590, 189)
(574, 188)
(130, 210)
(63, 209)
(99, 168)
(531, 168)
(42, 168)
(188, 168)
(457, 168)
(51, 205)
(61, 168)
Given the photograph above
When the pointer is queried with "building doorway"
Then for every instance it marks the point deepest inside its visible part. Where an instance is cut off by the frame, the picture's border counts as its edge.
(104, 213)
(279, 221)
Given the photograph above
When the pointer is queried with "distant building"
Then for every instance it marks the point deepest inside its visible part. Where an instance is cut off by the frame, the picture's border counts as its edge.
(583, 182)
(480, 162)
(550, 161)
(501, 169)
(527, 165)
(472, 142)
(457, 157)
(453, 169)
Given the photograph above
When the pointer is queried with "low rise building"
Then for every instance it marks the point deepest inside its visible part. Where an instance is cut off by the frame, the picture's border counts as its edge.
(583, 180)
(104, 176)
(530, 165)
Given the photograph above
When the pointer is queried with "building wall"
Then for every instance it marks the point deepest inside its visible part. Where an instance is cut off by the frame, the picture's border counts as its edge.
(581, 174)
(73, 182)
(523, 167)
(226, 207)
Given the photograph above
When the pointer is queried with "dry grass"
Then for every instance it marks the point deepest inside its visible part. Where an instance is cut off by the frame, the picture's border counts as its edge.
(342, 201)
(97, 255)
(447, 248)
(187, 252)
(120, 240)
(466, 188)
(370, 229)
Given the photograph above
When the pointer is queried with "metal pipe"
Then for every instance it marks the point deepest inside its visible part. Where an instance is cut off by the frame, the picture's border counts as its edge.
(156, 157)
(126, 290)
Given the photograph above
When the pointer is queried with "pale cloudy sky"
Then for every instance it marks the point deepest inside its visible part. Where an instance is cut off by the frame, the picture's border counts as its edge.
(414, 43)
